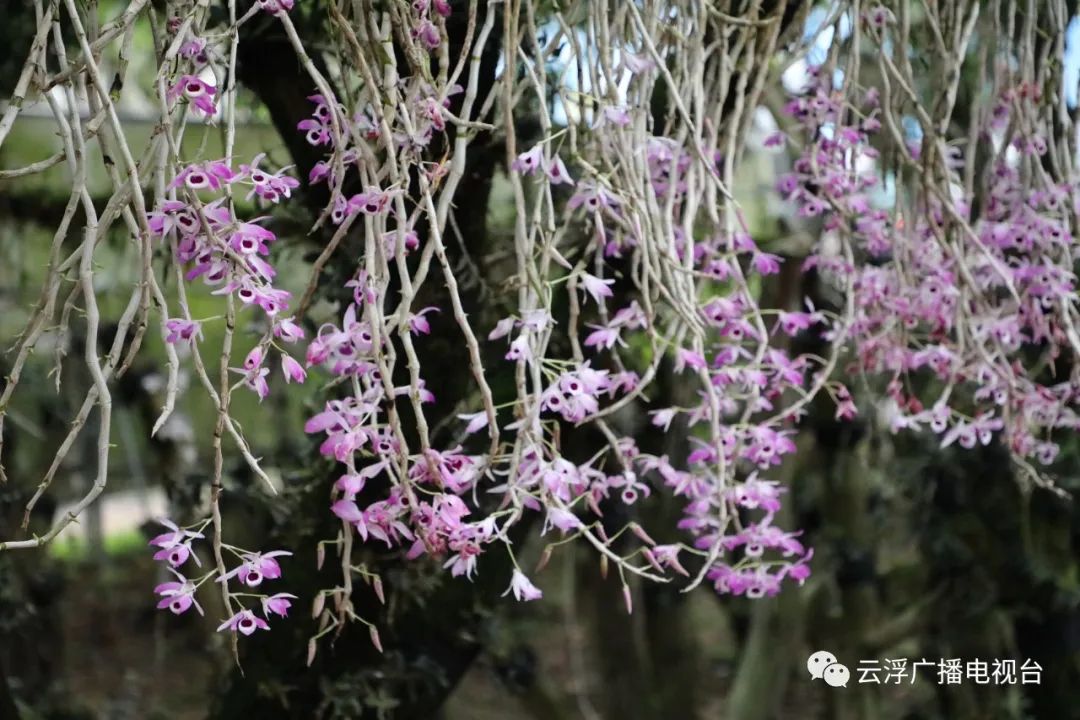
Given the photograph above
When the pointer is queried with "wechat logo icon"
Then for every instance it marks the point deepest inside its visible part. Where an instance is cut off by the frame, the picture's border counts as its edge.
(823, 665)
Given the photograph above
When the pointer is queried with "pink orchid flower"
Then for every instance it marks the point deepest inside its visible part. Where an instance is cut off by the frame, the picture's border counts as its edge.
(178, 596)
(245, 622)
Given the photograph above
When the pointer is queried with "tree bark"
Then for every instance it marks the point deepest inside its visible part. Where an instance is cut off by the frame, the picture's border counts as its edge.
(8, 709)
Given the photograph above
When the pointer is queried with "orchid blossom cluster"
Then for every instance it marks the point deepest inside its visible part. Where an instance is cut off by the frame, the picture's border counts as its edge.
(964, 290)
(178, 596)
(638, 233)
(195, 227)
(229, 254)
(630, 261)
